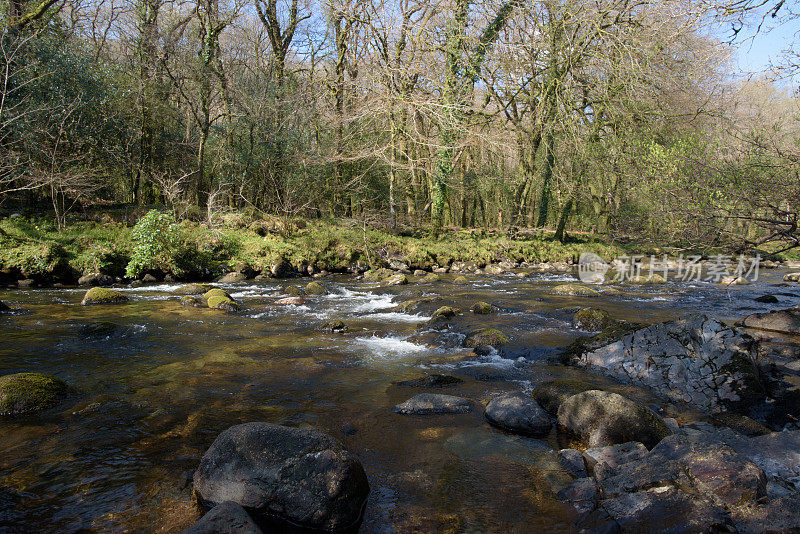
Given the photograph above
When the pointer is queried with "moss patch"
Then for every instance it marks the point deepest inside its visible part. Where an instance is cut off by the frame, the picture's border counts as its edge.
(103, 295)
(30, 392)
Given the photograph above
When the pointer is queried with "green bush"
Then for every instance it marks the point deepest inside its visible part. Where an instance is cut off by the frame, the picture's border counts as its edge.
(157, 239)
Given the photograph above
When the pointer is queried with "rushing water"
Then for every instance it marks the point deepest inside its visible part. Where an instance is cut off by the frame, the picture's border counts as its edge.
(158, 382)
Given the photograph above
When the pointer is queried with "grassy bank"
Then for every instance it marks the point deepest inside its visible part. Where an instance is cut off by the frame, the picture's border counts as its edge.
(32, 248)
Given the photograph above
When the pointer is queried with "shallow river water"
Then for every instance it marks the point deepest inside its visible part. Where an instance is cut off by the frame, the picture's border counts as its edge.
(159, 381)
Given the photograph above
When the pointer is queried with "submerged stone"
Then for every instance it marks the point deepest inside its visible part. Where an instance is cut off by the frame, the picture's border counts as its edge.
(433, 403)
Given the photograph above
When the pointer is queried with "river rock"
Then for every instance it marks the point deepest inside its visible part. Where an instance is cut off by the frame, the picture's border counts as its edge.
(734, 281)
(218, 299)
(419, 272)
(767, 299)
(574, 290)
(303, 477)
(95, 279)
(460, 280)
(281, 269)
(445, 312)
(665, 510)
(572, 460)
(315, 288)
(552, 393)
(290, 301)
(398, 279)
(713, 470)
(494, 269)
(695, 360)
(293, 291)
(601, 418)
(193, 289)
(102, 295)
(433, 403)
(232, 278)
(3, 306)
(23, 393)
(431, 381)
(582, 495)
(518, 413)
(225, 518)
(614, 455)
(430, 278)
(377, 275)
(592, 319)
(481, 308)
(644, 280)
(784, 321)
(792, 277)
(485, 336)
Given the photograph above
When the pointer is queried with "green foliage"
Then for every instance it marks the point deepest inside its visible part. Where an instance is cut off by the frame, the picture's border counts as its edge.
(156, 240)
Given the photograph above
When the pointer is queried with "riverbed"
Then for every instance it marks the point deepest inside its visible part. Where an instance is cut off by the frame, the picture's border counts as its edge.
(158, 381)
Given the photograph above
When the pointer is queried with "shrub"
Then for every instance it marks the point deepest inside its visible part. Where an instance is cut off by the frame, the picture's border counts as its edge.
(156, 239)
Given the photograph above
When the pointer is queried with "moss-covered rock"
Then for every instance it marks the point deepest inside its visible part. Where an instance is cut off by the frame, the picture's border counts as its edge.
(219, 302)
(792, 277)
(644, 280)
(102, 295)
(574, 290)
(485, 336)
(315, 288)
(232, 278)
(377, 275)
(214, 292)
(481, 308)
(193, 289)
(414, 304)
(592, 319)
(293, 291)
(398, 279)
(460, 280)
(30, 392)
(445, 312)
(430, 278)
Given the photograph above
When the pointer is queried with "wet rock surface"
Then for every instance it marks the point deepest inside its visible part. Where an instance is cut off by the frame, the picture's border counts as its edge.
(300, 476)
(225, 518)
(784, 321)
(433, 403)
(600, 418)
(518, 413)
(696, 360)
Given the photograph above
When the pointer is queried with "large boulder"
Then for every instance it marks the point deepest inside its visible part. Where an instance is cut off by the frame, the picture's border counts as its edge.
(102, 295)
(696, 360)
(303, 477)
(225, 518)
(433, 403)
(518, 413)
(784, 321)
(600, 418)
(30, 392)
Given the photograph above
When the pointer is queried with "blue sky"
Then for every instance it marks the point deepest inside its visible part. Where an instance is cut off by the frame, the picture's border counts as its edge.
(757, 50)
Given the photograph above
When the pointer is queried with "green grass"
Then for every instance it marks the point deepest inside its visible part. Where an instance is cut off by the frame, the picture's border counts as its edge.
(35, 247)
